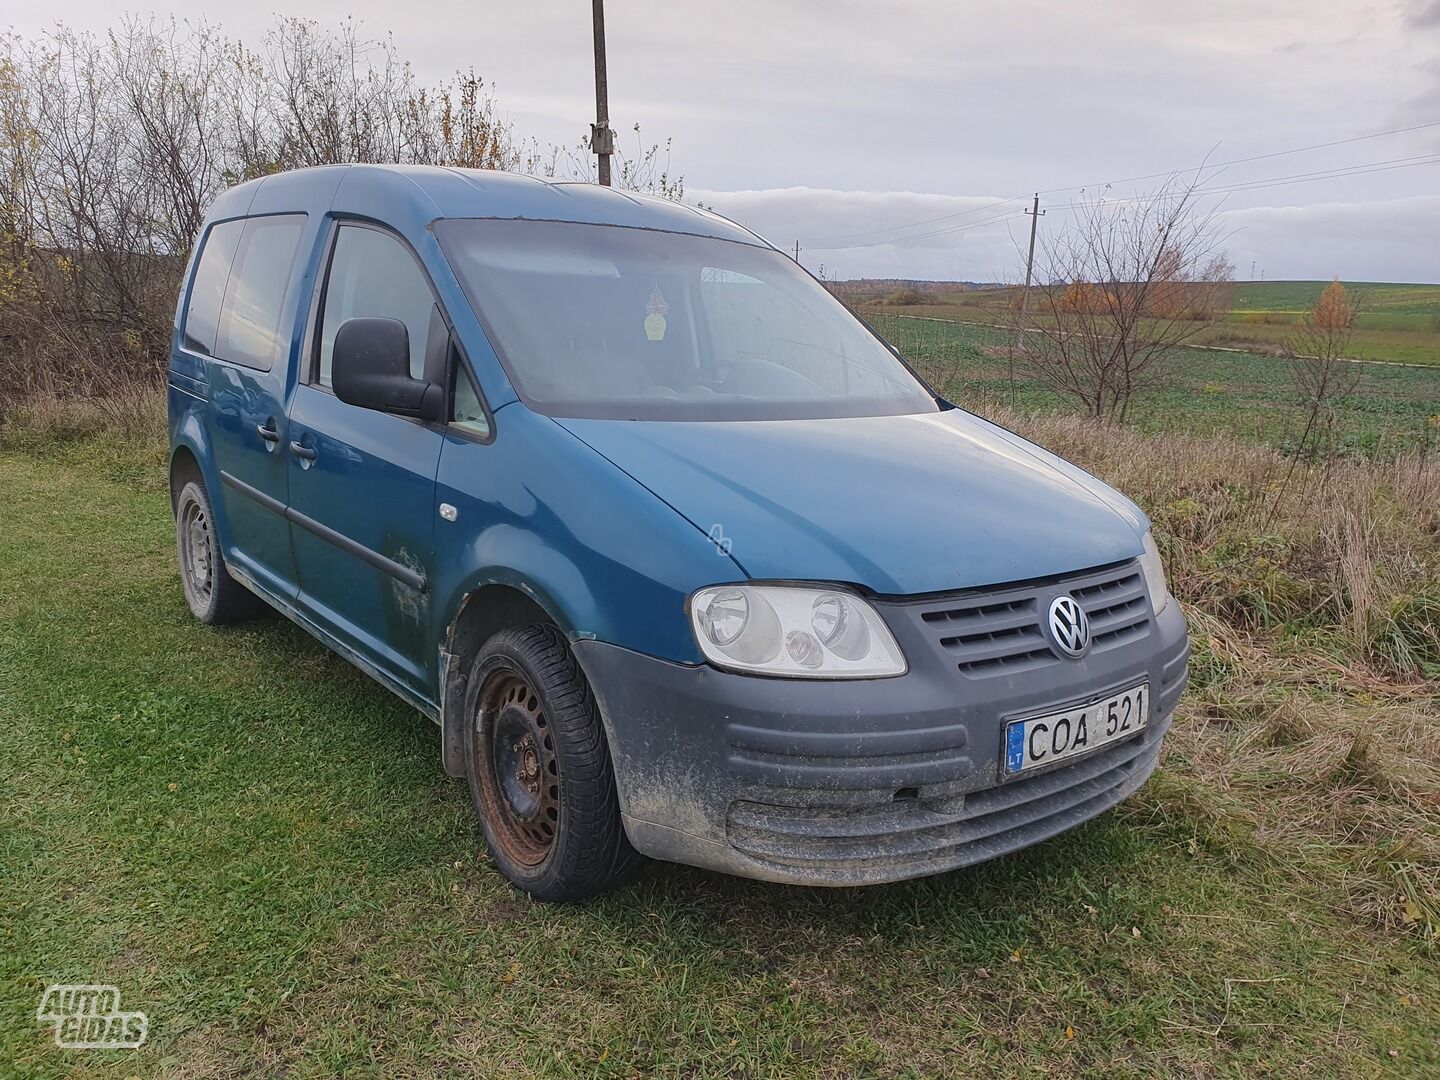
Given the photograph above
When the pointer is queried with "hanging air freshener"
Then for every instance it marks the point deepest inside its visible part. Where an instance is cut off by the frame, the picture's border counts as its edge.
(656, 310)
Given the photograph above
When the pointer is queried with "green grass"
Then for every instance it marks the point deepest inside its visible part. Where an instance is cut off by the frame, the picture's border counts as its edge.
(1204, 392)
(258, 846)
(1374, 296)
(1397, 323)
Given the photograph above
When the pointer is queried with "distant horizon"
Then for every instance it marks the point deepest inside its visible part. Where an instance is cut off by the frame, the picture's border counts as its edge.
(1016, 284)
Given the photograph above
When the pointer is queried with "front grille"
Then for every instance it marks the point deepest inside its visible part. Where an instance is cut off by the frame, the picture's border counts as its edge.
(1002, 631)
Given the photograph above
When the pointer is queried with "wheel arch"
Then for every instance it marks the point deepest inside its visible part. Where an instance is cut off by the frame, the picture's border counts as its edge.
(189, 458)
(184, 466)
(482, 612)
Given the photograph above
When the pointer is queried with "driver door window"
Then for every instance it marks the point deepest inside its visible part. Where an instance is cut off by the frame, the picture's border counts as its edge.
(372, 274)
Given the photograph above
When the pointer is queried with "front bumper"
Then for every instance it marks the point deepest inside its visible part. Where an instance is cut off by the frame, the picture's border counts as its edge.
(865, 781)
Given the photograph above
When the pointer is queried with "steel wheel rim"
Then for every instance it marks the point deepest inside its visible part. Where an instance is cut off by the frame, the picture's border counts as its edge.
(196, 561)
(518, 771)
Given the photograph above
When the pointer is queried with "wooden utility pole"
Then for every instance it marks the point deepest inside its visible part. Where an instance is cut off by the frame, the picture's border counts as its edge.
(797, 251)
(1035, 215)
(602, 139)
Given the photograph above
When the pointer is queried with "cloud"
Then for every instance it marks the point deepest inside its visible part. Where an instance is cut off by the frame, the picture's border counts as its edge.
(829, 122)
(1424, 14)
(982, 237)
(884, 233)
(1357, 241)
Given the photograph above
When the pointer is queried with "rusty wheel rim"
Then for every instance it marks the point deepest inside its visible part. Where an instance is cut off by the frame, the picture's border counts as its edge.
(519, 777)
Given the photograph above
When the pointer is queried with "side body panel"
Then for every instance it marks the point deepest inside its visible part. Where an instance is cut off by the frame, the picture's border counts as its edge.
(217, 408)
(539, 511)
(372, 481)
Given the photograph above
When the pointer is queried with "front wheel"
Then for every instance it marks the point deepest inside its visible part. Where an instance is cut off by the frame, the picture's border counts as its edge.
(539, 768)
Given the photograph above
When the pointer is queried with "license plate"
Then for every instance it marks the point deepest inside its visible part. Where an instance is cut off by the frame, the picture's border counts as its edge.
(1036, 741)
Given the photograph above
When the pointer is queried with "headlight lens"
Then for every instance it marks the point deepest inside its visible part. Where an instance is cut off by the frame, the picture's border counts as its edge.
(1154, 573)
(793, 630)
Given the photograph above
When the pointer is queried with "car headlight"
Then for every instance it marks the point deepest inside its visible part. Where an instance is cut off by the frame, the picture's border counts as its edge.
(1154, 573)
(799, 631)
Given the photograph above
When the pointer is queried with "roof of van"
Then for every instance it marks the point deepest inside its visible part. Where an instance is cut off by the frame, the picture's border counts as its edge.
(430, 192)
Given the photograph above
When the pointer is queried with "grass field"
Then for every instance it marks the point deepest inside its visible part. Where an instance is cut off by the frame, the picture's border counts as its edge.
(1239, 394)
(1397, 323)
(257, 845)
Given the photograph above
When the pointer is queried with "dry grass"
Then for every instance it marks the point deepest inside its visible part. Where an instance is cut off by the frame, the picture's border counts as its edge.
(1348, 551)
(120, 434)
(1314, 609)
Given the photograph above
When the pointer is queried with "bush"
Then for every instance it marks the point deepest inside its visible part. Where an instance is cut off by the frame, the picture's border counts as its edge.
(905, 298)
(113, 147)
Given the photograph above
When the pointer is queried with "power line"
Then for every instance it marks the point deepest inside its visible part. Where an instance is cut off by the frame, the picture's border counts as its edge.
(826, 245)
(1252, 185)
(1274, 181)
(1253, 157)
(929, 221)
(1006, 216)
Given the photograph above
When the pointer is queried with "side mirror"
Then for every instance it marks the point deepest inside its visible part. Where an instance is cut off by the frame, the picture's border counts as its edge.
(370, 368)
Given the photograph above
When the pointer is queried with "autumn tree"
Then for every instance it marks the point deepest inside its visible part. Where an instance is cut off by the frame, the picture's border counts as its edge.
(1124, 266)
(1319, 370)
(112, 147)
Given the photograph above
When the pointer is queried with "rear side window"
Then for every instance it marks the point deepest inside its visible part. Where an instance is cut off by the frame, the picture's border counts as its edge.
(372, 274)
(207, 291)
(253, 329)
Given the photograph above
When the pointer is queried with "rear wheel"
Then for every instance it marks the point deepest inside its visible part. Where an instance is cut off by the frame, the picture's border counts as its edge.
(213, 596)
(539, 768)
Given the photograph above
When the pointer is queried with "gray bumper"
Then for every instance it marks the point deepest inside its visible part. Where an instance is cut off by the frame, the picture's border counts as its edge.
(847, 783)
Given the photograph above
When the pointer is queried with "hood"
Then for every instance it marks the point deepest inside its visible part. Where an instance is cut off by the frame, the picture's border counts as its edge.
(896, 504)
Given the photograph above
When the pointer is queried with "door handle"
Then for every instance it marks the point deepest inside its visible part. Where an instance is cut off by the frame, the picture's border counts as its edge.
(300, 450)
(268, 431)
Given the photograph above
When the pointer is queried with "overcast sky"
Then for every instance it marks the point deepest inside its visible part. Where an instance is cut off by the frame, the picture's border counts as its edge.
(840, 123)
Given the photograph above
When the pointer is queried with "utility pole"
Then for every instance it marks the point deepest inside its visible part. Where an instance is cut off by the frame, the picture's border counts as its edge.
(797, 251)
(602, 139)
(1035, 215)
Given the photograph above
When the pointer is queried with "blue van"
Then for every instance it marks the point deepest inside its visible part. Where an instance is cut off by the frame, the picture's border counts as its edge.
(682, 558)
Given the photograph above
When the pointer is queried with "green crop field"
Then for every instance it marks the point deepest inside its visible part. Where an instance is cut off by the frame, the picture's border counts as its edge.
(1204, 392)
(1396, 323)
(1382, 296)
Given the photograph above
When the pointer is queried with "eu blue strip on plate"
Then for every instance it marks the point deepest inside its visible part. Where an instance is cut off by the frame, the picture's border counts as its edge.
(1014, 747)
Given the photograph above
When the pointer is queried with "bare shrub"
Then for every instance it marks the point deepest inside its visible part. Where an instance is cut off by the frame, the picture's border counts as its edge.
(1132, 281)
(1318, 368)
(112, 147)
(646, 170)
(1319, 371)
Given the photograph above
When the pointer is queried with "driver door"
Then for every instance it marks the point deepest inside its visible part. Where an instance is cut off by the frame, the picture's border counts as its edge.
(362, 482)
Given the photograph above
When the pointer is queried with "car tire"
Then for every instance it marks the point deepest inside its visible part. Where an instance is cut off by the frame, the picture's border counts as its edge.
(539, 769)
(213, 596)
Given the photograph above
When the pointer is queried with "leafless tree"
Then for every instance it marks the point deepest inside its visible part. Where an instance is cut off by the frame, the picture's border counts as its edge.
(1130, 282)
(1320, 373)
(1319, 369)
(646, 170)
(113, 146)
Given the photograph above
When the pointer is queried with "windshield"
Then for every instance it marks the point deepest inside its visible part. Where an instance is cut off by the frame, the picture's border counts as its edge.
(623, 323)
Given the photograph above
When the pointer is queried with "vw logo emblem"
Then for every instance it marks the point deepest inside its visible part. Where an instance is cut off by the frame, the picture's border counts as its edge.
(1069, 626)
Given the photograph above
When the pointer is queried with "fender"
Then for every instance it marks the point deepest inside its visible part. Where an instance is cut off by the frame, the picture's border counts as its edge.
(505, 594)
(189, 433)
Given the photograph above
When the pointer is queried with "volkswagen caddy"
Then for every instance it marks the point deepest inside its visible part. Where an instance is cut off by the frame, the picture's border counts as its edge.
(683, 559)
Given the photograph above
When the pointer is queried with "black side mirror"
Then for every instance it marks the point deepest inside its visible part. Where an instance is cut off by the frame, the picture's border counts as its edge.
(371, 368)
